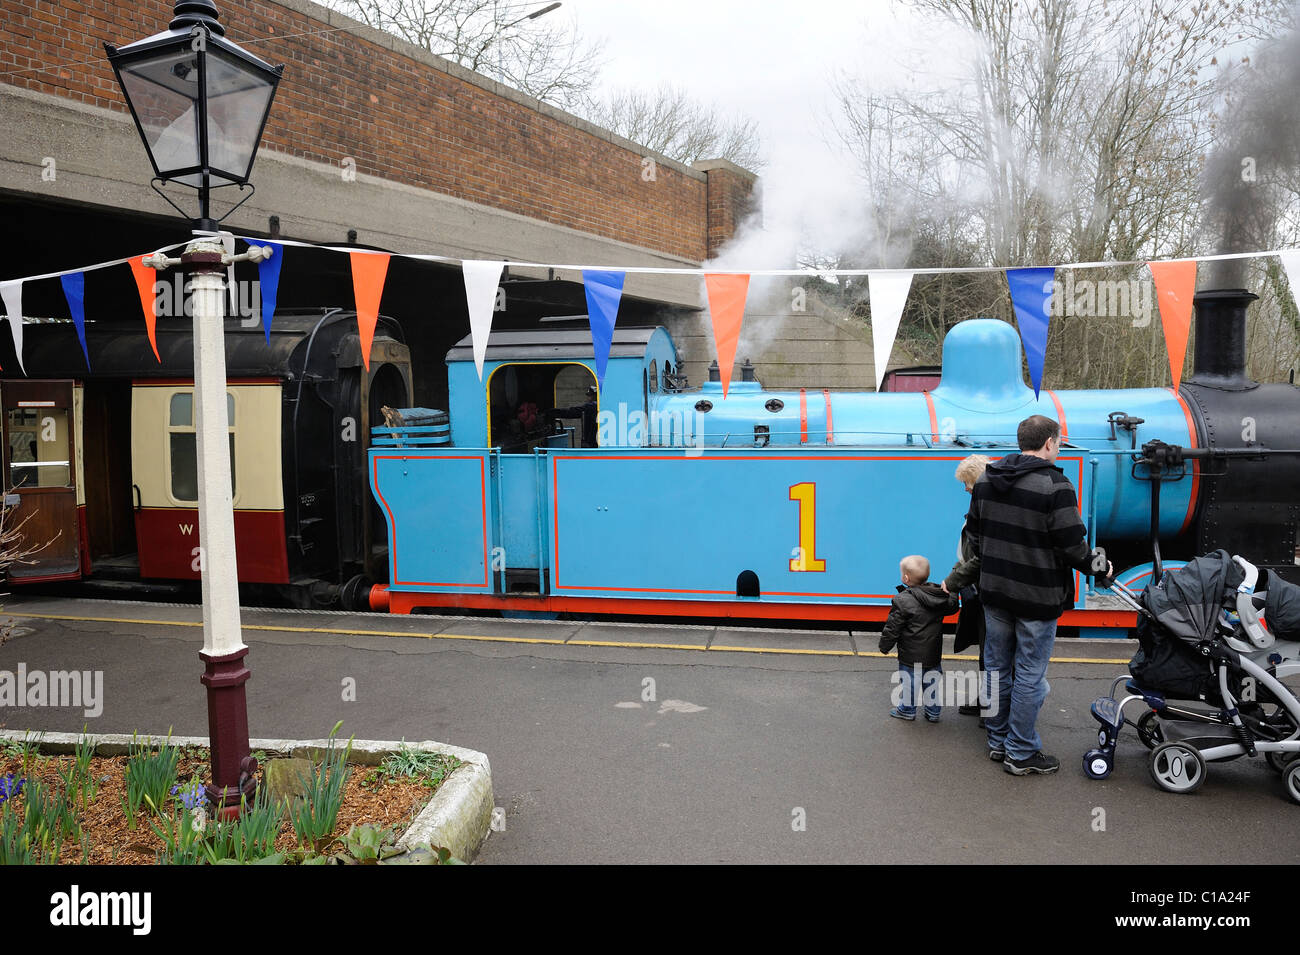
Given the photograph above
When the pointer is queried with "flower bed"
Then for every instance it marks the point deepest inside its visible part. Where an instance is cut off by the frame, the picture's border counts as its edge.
(147, 806)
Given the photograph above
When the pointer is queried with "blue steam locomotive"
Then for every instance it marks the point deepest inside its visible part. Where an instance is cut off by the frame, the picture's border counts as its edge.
(797, 505)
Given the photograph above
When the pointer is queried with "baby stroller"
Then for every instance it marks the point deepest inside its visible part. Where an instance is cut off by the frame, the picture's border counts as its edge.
(1215, 640)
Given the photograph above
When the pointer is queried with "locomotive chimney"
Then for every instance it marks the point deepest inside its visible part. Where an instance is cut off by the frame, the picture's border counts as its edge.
(1220, 356)
(715, 373)
(747, 371)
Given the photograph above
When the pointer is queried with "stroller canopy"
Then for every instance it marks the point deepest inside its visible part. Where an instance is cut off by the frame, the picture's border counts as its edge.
(1187, 601)
(1282, 608)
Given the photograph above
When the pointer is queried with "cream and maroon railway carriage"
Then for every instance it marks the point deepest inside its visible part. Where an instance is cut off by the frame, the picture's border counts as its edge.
(102, 463)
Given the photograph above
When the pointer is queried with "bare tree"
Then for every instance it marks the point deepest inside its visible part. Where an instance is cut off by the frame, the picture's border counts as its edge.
(671, 122)
(499, 39)
(1079, 129)
(14, 550)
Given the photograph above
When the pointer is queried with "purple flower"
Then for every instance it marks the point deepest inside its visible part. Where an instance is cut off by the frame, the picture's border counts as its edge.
(191, 795)
(10, 786)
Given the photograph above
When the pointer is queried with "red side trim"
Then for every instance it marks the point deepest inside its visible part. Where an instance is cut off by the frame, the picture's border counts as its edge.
(830, 430)
(404, 602)
(934, 419)
(392, 523)
(1060, 417)
(1196, 465)
(803, 417)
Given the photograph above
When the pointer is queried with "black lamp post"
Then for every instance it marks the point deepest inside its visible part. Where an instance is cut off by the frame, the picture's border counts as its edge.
(200, 104)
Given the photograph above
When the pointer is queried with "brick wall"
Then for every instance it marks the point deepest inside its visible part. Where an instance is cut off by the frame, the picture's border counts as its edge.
(399, 114)
(730, 198)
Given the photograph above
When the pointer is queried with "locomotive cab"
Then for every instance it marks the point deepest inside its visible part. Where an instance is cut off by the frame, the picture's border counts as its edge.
(529, 375)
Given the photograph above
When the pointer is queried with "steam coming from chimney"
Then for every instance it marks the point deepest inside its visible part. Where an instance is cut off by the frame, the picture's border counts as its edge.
(1260, 145)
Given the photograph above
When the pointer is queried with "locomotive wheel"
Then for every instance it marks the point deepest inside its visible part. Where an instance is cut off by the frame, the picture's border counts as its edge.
(1292, 780)
(1177, 767)
(1097, 764)
(1149, 731)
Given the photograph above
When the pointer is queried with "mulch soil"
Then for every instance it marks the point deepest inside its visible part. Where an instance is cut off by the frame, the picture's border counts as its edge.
(382, 801)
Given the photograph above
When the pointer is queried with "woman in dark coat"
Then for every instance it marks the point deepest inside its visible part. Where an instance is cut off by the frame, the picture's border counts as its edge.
(964, 579)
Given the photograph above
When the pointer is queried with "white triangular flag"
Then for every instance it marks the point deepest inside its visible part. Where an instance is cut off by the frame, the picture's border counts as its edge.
(888, 294)
(481, 281)
(1291, 263)
(12, 295)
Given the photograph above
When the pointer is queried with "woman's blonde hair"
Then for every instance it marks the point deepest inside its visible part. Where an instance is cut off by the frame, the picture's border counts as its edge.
(970, 469)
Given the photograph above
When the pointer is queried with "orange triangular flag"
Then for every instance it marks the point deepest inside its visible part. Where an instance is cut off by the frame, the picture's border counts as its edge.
(144, 282)
(368, 271)
(727, 309)
(1175, 286)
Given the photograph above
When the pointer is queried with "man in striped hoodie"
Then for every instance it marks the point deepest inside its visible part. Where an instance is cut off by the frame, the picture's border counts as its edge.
(1024, 526)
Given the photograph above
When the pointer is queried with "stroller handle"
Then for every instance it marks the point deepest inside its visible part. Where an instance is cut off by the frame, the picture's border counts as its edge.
(1260, 637)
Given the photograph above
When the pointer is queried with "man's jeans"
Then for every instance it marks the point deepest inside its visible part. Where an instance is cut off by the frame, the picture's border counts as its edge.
(931, 690)
(1016, 651)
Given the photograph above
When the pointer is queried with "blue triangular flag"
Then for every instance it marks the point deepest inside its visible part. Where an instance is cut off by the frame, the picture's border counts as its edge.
(74, 289)
(268, 279)
(1031, 297)
(604, 289)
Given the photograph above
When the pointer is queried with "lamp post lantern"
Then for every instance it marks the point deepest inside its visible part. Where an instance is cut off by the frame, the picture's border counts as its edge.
(200, 104)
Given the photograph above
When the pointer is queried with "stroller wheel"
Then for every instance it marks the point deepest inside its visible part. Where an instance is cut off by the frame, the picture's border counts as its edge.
(1292, 780)
(1280, 761)
(1149, 731)
(1177, 767)
(1096, 764)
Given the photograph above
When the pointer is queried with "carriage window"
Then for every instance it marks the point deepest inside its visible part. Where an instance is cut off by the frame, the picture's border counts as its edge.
(38, 448)
(653, 380)
(183, 445)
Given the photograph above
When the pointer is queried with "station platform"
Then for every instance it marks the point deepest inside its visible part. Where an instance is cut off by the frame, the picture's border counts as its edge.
(692, 637)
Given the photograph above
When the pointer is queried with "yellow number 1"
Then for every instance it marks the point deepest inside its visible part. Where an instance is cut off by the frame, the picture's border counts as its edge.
(805, 558)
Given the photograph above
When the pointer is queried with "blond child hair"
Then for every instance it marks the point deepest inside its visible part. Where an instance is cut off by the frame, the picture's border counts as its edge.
(970, 469)
(916, 567)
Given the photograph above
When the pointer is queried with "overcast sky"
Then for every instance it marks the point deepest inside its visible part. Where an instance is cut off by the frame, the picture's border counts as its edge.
(774, 63)
(769, 60)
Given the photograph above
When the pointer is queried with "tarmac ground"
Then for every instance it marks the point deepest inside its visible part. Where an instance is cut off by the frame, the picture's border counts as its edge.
(642, 743)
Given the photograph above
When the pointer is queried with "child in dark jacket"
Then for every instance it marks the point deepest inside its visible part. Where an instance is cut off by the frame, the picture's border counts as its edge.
(915, 624)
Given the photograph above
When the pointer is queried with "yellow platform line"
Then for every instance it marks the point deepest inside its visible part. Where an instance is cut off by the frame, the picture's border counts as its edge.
(641, 646)
(551, 641)
(830, 653)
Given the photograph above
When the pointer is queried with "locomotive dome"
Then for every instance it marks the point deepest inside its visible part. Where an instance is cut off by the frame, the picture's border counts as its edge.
(982, 367)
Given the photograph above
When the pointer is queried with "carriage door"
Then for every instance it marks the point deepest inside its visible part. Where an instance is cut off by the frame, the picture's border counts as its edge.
(39, 477)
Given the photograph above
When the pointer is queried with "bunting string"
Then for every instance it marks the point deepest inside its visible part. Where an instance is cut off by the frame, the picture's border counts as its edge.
(804, 271)
(1030, 288)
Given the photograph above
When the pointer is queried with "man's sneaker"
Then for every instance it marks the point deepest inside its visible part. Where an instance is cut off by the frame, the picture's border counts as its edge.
(898, 714)
(969, 709)
(997, 755)
(931, 719)
(1037, 763)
